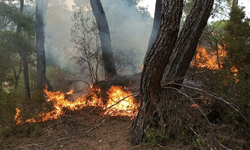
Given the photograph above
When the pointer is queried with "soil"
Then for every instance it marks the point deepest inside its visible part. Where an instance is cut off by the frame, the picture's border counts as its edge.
(85, 129)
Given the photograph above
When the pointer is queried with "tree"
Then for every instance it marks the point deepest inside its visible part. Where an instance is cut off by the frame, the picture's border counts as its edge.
(166, 45)
(185, 47)
(12, 19)
(85, 37)
(24, 61)
(235, 3)
(42, 80)
(236, 43)
(156, 25)
(236, 38)
(102, 24)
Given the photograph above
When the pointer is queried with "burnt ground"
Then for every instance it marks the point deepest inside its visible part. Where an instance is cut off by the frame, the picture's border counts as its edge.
(86, 129)
(89, 129)
(79, 130)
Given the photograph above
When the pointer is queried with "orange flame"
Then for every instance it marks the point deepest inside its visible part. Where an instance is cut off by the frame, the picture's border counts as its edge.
(235, 72)
(127, 107)
(17, 116)
(120, 103)
(203, 59)
(212, 60)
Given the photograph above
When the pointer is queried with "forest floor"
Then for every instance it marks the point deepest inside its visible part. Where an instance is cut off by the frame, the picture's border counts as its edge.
(90, 129)
(86, 129)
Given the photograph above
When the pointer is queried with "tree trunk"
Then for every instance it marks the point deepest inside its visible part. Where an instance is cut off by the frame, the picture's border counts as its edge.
(17, 74)
(102, 23)
(181, 51)
(235, 3)
(185, 47)
(26, 77)
(156, 25)
(42, 81)
(25, 62)
(156, 60)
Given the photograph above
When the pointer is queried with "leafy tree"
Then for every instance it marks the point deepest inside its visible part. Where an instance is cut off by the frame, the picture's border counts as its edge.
(13, 19)
(237, 62)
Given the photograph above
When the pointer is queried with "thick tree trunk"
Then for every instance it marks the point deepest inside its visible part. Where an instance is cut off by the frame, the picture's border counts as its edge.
(102, 23)
(156, 60)
(42, 81)
(185, 47)
(235, 3)
(156, 25)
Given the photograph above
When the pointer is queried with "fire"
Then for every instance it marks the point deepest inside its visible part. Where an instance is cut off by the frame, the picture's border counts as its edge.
(120, 103)
(235, 72)
(212, 60)
(203, 59)
(125, 107)
(194, 105)
(17, 116)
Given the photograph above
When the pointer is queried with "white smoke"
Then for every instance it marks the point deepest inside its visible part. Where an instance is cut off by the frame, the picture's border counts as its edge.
(129, 29)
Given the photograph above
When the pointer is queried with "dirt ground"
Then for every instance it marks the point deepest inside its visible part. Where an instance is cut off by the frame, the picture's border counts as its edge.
(85, 129)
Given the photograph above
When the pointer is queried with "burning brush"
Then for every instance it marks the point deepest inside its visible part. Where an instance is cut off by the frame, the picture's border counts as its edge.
(120, 102)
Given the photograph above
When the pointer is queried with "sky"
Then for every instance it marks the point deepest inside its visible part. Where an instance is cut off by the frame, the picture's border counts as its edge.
(150, 4)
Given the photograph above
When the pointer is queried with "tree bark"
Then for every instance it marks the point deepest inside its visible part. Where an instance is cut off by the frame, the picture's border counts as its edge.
(17, 73)
(235, 3)
(42, 81)
(102, 23)
(156, 25)
(156, 60)
(185, 47)
(26, 77)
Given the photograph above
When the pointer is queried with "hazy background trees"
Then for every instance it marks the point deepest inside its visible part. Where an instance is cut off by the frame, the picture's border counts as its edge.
(57, 53)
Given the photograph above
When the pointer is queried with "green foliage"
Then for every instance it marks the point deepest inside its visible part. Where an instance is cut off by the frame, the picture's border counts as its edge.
(231, 81)
(174, 131)
(11, 13)
(155, 135)
(13, 44)
(236, 40)
(34, 130)
(8, 103)
(237, 61)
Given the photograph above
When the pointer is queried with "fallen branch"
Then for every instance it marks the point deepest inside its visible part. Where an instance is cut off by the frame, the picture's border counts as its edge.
(28, 146)
(96, 126)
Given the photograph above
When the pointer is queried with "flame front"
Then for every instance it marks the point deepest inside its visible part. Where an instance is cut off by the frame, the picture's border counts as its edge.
(211, 61)
(120, 103)
(127, 105)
